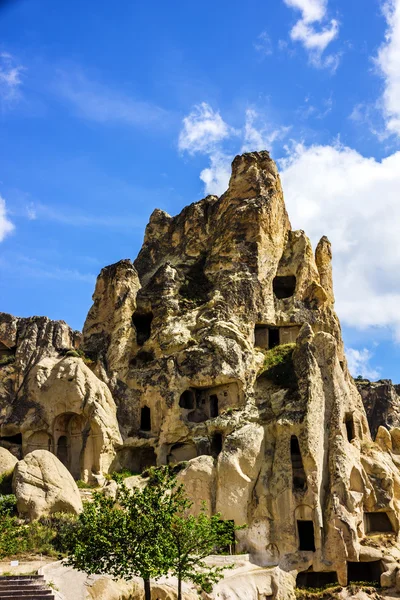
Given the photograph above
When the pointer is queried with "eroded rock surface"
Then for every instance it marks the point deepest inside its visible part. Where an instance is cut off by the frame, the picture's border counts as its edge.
(43, 486)
(219, 348)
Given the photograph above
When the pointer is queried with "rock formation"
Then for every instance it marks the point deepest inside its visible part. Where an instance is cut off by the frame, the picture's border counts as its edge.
(219, 347)
(43, 486)
(381, 402)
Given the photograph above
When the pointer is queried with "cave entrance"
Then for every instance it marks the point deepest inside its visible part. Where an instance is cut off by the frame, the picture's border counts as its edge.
(284, 286)
(364, 571)
(315, 579)
(142, 323)
(145, 419)
(213, 406)
(216, 444)
(349, 423)
(375, 522)
(12, 439)
(187, 400)
(273, 337)
(62, 450)
(306, 535)
(266, 337)
(298, 472)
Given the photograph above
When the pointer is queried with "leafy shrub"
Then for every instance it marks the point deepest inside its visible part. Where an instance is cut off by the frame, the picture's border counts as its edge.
(278, 366)
(8, 505)
(7, 360)
(79, 354)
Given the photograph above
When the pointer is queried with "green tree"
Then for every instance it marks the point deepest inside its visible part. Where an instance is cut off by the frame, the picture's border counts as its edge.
(126, 538)
(192, 539)
(147, 533)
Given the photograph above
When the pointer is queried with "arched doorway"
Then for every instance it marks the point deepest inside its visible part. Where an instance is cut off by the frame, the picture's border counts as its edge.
(68, 433)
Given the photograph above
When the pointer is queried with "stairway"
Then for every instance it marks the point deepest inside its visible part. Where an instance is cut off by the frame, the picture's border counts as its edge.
(24, 587)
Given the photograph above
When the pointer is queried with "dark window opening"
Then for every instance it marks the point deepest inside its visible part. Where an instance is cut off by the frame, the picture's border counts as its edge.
(187, 400)
(299, 474)
(142, 324)
(314, 579)
(62, 450)
(142, 358)
(273, 337)
(364, 571)
(306, 535)
(377, 522)
(216, 444)
(145, 419)
(213, 406)
(12, 439)
(285, 286)
(349, 422)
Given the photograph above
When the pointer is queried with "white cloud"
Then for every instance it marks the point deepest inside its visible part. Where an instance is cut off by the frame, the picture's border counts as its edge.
(336, 191)
(258, 135)
(97, 102)
(216, 176)
(263, 44)
(388, 61)
(10, 79)
(202, 130)
(312, 10)
(314, 31)
(358, 363)
(6, 226)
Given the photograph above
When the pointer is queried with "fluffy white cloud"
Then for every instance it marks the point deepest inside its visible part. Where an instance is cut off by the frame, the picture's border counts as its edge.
(202, 130)
(312, 10)
(263, 44)
(336, 191)
(216, 176)
(6, 226)
(314, 31)
(358, 363)
(388, 60)
(10, 78)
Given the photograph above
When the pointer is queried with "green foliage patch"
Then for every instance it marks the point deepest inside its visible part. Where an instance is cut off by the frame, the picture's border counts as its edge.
(6, 483)
(7, 360)
(80, 354)
(278, 366)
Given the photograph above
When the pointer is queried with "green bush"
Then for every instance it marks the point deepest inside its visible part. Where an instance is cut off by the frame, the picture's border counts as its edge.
(278, 366)
(8, 503)
(7, 360)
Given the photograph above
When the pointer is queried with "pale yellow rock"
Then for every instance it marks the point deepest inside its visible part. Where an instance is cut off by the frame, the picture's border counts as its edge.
(7, 462)
(199, 479)
(43, 486)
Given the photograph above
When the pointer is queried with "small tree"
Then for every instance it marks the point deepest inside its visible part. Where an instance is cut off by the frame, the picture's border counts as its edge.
(192, 539)
(147, 533)
(126, 538)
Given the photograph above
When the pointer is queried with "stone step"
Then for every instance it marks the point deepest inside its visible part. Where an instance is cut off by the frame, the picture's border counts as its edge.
(21, 592)
(32, 596)
(21, 578)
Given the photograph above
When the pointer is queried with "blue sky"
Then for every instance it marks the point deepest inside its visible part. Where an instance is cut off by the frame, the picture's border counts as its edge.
(109, 110)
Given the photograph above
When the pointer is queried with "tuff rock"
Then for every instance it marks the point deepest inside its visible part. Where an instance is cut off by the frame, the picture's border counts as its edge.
(219, 348)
